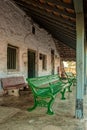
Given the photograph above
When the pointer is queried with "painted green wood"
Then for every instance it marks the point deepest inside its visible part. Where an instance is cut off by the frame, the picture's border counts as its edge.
(45, 87)
(79, 57)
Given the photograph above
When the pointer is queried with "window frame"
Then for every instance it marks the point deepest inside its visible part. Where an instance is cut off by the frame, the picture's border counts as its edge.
(10, 66)
(43, 57)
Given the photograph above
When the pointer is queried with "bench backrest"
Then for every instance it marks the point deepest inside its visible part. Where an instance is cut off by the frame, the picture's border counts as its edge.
(37, 82)
(42, 81)
(54, 78)
(70, 75)
(12, 81)
(45, 83)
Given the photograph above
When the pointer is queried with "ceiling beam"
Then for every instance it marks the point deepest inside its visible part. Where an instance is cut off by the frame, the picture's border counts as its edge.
(62, 35)
(45, 14)
(61, 3)
(65, 40)
(51, 14)
(39, 16)
(54, 24)
(59, 32)
(55, 27)
(51, 8)
(56, 2)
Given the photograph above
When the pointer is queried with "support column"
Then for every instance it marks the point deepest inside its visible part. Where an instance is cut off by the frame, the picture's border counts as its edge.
(79, 57)
(85, 68)
(80, 65)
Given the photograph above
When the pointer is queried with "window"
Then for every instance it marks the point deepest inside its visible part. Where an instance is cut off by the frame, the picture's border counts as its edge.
(12, 56)
(33, 30)
(44, 61)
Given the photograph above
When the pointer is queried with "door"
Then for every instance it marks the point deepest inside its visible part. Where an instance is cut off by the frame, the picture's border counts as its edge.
(31, 64)
(52, 61)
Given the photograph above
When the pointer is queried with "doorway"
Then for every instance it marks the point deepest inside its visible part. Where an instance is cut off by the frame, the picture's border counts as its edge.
(52, 61)
(31, 64)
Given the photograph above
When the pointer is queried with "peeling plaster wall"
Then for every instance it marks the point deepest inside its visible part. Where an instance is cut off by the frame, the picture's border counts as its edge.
(16, 29)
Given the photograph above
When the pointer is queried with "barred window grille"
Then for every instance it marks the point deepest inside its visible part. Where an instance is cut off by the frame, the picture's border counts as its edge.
(11, 57)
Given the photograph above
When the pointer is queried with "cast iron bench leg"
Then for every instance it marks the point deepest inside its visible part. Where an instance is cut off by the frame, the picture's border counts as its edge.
(50, 111)
(63, 94)
(35, 105)
(69, 90)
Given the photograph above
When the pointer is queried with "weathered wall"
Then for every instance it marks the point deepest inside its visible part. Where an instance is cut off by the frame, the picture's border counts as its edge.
(16, 29)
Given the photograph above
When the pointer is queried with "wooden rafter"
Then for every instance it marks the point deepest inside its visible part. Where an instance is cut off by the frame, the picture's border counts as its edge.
(42, 12)
(52, 7)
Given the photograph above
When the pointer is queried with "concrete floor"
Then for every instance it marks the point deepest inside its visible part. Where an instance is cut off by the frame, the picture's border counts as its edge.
(14, 114)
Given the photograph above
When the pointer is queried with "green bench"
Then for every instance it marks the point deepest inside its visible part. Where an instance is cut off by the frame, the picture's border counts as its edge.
(45, 89)
(71, 77)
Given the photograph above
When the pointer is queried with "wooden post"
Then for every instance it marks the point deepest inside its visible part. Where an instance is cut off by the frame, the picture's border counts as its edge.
(85, 68)
(79, 57)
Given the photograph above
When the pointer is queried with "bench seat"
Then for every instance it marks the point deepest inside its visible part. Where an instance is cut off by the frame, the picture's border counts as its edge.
(12, 85)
